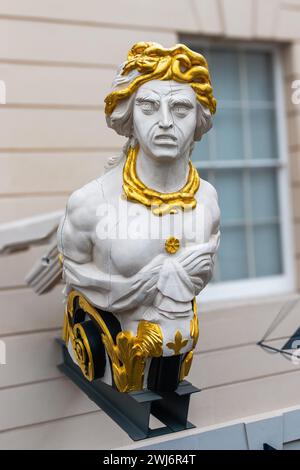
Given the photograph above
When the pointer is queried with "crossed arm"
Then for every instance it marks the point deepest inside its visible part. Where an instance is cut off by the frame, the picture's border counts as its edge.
(76, 245)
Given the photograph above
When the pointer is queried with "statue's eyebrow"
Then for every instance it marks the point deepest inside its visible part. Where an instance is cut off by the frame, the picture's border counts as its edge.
(181, 100)
(147, 98)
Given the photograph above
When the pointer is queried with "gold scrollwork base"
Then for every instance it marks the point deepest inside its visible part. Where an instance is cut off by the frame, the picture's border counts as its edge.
(128, 353)
(82, 351)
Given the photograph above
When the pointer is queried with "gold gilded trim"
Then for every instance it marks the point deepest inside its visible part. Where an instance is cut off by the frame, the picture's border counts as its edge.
(132, 352)
(194, 333)
(82, 351)
(154, 62)
(178, 344)
(128, 355)
(66, 326)
(186, 364)
(160, 203)
(194, 327)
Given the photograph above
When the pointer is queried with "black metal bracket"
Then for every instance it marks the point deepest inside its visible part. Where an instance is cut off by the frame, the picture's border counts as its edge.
(268, 447)
(131, 411)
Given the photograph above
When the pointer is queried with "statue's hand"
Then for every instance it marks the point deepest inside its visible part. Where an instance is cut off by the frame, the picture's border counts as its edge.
(145, 280)
(140, 288)
(199, 264)
(154, 266)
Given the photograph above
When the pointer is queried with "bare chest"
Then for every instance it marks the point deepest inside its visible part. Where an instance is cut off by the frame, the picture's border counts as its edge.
(130, 237)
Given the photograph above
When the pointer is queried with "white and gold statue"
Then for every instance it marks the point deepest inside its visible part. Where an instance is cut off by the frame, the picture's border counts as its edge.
(137, 244)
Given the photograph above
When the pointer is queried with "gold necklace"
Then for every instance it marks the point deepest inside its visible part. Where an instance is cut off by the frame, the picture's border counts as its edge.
(160, 203)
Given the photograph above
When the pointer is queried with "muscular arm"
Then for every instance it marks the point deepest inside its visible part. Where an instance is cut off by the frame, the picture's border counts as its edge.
(211, 196)
(75, 243)
(215, 212)
(199, 263)
(75, 230)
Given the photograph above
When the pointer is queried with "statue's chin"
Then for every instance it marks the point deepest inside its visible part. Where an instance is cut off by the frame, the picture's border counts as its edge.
(165, 154)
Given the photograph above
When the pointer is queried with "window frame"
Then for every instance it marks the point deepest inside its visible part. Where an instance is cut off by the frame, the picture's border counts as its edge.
(285, 282)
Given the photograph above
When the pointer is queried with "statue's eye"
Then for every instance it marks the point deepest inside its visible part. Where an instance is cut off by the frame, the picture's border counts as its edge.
(181, 109)
(147, 107)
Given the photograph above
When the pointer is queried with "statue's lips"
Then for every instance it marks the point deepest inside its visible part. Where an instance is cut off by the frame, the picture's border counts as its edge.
(166, 139)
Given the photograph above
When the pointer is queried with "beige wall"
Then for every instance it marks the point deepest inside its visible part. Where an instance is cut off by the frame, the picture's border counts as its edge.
(58, 58)
(293, 73)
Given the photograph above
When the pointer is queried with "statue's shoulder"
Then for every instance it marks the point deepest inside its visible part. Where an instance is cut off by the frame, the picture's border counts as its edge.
(83, 204)
(207, 190)
(208, 195)
(112, 181)
(85, 196)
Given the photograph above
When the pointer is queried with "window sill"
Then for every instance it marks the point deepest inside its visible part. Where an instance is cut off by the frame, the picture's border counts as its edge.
(230, 303)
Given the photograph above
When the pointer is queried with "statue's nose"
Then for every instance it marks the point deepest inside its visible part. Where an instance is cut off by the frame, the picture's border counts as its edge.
(166, 118)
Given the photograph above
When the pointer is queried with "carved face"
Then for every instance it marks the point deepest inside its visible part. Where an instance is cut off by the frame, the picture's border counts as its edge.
(164, 118)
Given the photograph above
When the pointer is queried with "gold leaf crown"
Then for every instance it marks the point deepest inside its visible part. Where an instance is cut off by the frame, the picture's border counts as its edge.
(152, 61)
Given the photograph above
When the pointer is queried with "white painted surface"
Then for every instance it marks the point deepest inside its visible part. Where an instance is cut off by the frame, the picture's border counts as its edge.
(107, 267)
(51, 60)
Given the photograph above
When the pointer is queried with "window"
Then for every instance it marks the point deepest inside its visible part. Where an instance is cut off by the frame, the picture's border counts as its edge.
(243, 156)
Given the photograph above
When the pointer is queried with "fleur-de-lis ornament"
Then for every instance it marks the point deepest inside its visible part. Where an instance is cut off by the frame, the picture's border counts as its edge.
(178, 343)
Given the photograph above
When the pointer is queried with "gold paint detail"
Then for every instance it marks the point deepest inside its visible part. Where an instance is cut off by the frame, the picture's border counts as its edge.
(66, 327)
(186, 364)
(82, 351)
(160, 203)
(128, 354)
(60, 259)
(194, 326)
(178, 344)
(172, 245)
(194, 333)
(154, 62)
(132, 352)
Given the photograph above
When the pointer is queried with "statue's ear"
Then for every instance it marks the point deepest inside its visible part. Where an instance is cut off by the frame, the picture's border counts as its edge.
(198, 133)
(204, 121)
(120, 119)
(133, 140)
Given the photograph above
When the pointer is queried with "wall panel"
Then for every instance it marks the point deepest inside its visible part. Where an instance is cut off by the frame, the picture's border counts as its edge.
(150, 13)
(71, 44)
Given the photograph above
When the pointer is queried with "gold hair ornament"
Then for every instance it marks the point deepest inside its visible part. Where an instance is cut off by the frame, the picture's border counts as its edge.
(154, 62)
(160, 203)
